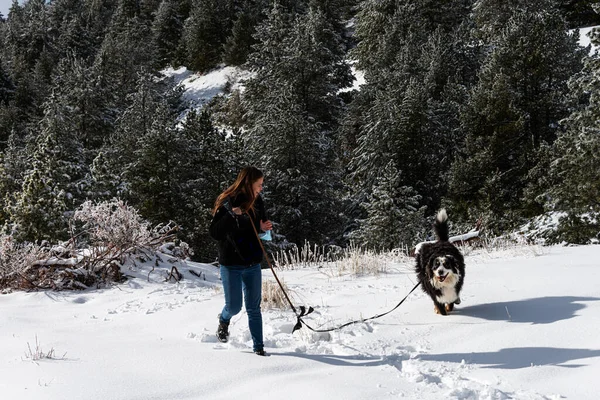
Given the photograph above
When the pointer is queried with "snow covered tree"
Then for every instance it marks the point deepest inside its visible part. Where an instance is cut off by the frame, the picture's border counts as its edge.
(569, 180)
(204, 168)
(125, 51)
(419, 62)
(239, 44)
(394, 217)
(76, 86)
(112, 165)
(293, 109)
(206, 31)
(167, 30)
(34, 38)
(14, 164)
(515, 108)
(55, 181)
(6, 86)
(7, 91)
(57, 157)
(410, 116)
(73, 26)
(384, 26)
(577, 150)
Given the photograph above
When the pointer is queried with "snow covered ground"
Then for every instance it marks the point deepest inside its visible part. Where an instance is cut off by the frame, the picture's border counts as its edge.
(199, 89)
(527, 329)
(584, 38)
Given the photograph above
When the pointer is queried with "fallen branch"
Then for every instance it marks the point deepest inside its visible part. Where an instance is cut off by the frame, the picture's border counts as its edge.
(174, 274)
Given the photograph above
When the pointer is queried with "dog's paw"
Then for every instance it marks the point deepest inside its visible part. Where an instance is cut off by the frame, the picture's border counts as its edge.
(449, 307)
(457, 301)
(437, 310)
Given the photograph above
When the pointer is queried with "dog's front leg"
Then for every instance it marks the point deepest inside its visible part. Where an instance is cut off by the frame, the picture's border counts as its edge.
(439, 308)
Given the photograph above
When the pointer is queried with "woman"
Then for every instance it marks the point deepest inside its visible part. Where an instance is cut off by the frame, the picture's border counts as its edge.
(238, 208)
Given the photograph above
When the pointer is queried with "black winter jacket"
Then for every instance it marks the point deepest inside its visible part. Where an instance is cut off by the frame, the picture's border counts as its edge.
(238, 244)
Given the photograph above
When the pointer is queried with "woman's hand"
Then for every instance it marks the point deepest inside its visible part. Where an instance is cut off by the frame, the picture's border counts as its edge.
(266, 225)
(237, 211)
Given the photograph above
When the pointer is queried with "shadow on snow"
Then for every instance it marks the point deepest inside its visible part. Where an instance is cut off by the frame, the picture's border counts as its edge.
(517, 357)
(541, 310)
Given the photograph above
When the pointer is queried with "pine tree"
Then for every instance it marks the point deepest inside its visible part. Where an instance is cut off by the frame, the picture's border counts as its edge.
(29, 62)
(6, 86)
(383, 28)
(113, 163)
(410, 117)
(71, 30)
(419, 63)
(206, 31)
(514, 109)
(205, 167)
(35, 38)
(569, 180)
(293, 111)
(98, 16)
(125, 52)
(14, 164)
(394, 218)
(239, 44)
(151, 177)
(55, 182)
(167, 31)
(7, 92)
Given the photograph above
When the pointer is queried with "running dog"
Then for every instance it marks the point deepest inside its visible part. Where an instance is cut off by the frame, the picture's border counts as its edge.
(441, 268)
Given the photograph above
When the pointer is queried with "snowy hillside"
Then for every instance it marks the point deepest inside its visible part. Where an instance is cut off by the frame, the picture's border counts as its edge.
(527, 329)
(584, 37)
(200, 88)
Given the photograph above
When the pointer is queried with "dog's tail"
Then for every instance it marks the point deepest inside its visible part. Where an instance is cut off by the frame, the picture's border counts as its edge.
(440, 226)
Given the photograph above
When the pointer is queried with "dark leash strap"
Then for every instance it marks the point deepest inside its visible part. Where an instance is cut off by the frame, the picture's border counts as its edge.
(304, 311)
(310, 309)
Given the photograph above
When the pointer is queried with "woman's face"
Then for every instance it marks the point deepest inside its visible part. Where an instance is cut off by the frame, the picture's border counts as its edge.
(257, 187)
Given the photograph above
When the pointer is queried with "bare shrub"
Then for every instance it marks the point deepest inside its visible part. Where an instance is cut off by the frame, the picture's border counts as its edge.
(104, 236)
(114, 231)
(15, 260)
(116, 224)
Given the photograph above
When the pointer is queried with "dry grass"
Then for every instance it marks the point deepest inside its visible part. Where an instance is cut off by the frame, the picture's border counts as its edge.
(337, 261)
(491, 248)
(272, 295)
(355, 260)
(37, 353)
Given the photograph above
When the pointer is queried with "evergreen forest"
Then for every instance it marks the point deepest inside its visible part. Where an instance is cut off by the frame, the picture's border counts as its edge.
(488, 108)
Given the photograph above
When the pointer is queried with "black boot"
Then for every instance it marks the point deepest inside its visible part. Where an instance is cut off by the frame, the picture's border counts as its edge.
(260, 352)
(223, 332)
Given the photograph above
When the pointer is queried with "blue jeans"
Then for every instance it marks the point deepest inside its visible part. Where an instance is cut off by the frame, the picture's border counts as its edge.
(249, 280)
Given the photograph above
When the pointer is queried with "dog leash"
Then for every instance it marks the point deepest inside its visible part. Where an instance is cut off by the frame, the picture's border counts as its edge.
(304, 311)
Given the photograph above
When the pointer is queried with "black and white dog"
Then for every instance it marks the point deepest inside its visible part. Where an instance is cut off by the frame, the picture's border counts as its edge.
(441, 268)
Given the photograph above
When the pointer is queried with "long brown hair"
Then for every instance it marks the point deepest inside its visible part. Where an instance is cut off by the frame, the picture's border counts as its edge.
(242, 185)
